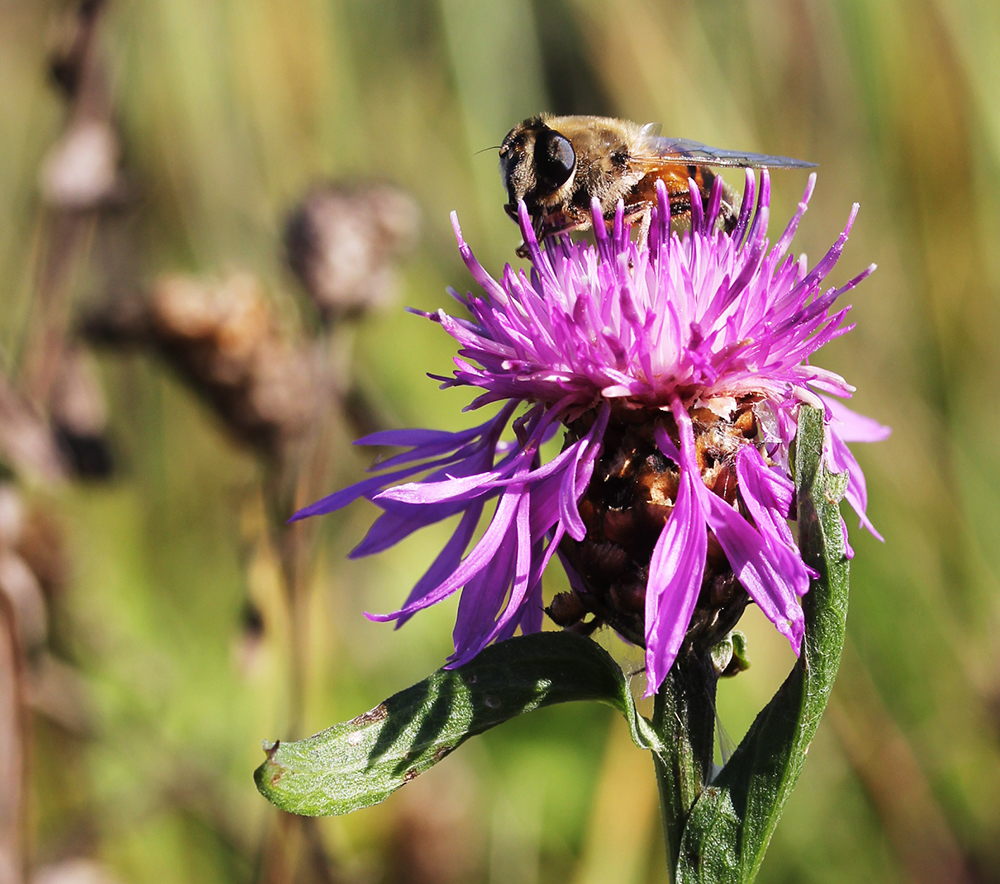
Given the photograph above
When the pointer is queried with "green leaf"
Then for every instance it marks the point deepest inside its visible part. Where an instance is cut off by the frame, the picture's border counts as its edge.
(731, 823)
(361, 762)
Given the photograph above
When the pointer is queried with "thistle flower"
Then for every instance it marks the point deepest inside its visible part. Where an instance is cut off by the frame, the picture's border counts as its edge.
(674, 370)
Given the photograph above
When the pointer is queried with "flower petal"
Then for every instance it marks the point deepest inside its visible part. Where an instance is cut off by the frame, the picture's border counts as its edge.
(841, 460)
(854, 427)
(676, 570)
(774, 577)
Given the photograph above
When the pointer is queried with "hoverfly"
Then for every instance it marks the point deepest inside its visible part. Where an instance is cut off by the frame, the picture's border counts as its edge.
(557, 165)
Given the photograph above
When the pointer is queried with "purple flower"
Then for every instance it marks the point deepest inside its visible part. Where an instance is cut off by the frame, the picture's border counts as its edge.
(674, 371)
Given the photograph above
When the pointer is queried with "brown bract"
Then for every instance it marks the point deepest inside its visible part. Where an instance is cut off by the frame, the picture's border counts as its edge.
(625, 509)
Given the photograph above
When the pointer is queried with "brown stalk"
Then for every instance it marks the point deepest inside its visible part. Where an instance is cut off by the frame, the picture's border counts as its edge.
(79, 178)
(14, 743)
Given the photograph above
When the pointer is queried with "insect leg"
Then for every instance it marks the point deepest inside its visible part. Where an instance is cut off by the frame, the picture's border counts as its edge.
(645, 221)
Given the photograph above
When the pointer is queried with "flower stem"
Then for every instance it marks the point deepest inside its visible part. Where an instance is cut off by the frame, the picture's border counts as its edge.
(684, 719)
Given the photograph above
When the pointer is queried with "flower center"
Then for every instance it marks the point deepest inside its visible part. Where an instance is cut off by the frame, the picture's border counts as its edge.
(626, 507)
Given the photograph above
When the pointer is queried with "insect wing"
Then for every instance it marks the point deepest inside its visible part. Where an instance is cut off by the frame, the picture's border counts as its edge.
(684, 152)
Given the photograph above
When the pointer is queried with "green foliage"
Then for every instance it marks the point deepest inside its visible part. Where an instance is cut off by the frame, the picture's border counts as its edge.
(717, 830)
(361, 762)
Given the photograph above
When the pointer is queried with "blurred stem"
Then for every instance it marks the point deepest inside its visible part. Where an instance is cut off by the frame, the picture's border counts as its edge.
(291, 543)
(279, 856)
(68, 238)
(67, 230)
(282, 850)
(684, 718)
(13, 747)
(290, 481)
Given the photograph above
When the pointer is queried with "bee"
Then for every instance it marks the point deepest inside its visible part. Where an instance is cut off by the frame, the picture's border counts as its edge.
(557, 165)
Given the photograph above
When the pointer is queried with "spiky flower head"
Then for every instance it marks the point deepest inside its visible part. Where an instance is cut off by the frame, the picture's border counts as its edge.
(674, 370)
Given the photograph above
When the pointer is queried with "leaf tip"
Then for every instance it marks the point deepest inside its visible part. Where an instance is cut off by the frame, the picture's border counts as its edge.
(269, 774)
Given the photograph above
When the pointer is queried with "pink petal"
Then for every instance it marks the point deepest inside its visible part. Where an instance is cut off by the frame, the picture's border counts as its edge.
(676, 570)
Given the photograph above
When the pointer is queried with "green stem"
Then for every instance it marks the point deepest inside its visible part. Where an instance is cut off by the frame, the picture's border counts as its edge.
(684, 719)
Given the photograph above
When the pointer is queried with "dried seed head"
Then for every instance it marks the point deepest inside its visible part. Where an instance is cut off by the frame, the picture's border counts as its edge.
(341, 242)
(225, 340)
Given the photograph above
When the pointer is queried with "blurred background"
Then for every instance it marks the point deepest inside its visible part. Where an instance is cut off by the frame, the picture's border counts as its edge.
(213, 215)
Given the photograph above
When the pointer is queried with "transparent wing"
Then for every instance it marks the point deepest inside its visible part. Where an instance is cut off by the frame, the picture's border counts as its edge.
(684, 152)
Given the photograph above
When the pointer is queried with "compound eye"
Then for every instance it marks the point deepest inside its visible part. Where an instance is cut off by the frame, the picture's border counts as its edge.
(554, 160)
